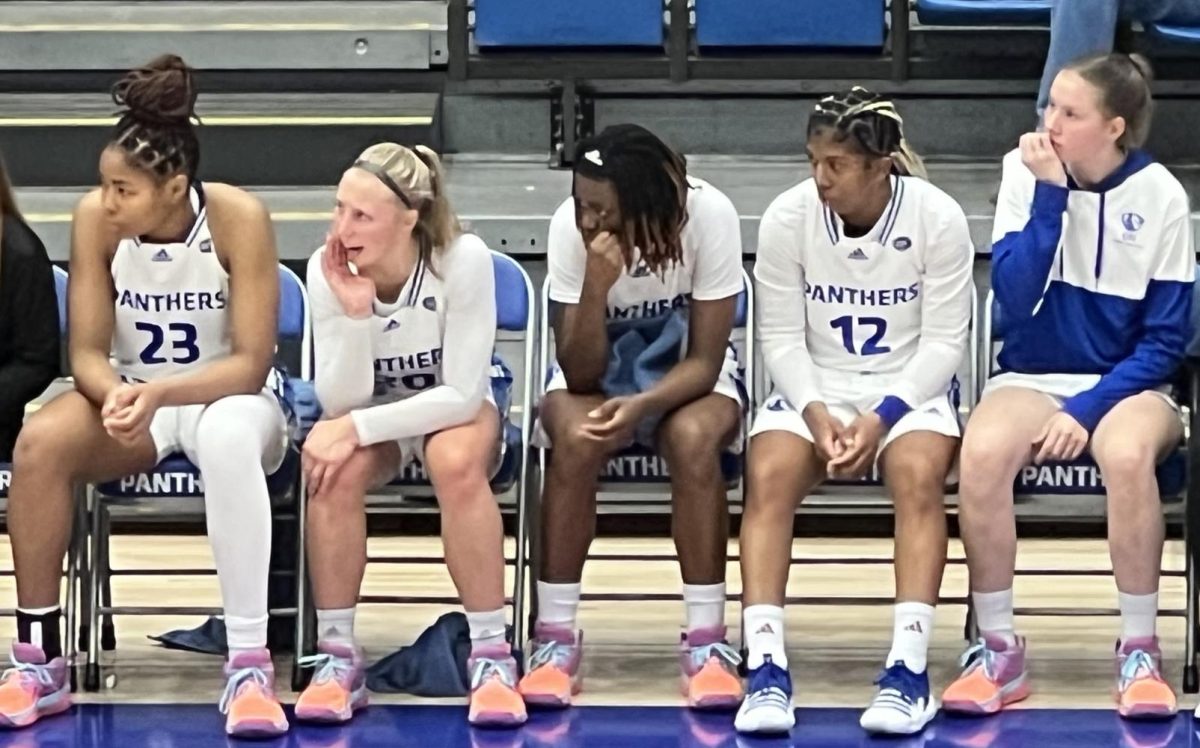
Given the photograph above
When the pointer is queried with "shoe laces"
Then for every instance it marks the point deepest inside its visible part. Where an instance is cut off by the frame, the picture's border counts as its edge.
(769, 684)
(28, 671)
(328, 667)
(899, 681)
(721, 650)
(487, 667)
(253, 675)
(1138, 664)
(978, 655)
(551, 652)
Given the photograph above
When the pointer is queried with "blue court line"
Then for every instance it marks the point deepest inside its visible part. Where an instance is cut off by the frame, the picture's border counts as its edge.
(188, 726)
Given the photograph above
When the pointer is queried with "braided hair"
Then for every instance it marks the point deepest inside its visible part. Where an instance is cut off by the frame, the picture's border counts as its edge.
(650, 180)
(158, 102)
(871, 122)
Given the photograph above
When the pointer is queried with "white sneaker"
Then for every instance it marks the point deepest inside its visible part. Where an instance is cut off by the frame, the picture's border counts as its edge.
(767, 708)
(903, 705)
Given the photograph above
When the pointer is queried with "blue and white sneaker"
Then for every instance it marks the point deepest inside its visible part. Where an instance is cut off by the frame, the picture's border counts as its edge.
(767, 707)
(903, 705)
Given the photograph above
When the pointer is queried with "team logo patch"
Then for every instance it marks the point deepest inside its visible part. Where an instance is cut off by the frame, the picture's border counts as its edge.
(902, 243)
(206, 245)
(857, 254)
(161, 255)
(391, 325)
(429, 303)
(1132, 221)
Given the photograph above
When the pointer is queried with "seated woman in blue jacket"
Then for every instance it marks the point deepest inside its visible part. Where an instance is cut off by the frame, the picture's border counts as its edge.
(1093, 271)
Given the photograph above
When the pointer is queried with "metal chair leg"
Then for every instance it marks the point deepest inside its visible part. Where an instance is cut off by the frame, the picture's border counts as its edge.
(91, 681)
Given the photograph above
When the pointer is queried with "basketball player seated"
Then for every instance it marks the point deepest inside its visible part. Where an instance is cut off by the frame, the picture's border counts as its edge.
(405, 319)
(1093, 268)
(173, 299)
(637, 240)
(864, 282)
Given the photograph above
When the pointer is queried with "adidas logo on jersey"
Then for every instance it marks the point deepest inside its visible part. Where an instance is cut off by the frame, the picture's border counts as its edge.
(430, 303)
(765, 629)
(391, 325)
(857, 254)
(206, 245)
(161, 255)
(640, 271)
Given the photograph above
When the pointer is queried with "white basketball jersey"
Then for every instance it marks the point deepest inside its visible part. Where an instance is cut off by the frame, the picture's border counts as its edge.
(710, 268)
(406, 338)
(863, 295)
(172, 303)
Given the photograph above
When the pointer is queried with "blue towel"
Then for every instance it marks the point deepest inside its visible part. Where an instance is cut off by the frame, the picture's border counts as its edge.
(434, 665)
(641, 352)
(207, 638)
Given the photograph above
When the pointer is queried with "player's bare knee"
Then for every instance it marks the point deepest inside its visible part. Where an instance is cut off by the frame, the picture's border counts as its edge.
(347, 487)
(768, 476)
(988, 455)
(43, 445)
(916, 480)
(456, 474)
(685, 437)
(1125, 462)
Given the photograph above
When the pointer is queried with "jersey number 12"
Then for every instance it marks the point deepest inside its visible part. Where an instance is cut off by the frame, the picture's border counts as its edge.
(871, 346)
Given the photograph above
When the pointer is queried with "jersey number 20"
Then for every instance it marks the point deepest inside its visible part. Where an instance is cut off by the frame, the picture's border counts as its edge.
(869, 348)
(183, 343)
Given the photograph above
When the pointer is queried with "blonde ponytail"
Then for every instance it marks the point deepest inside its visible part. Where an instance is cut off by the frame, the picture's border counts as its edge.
(418, 173)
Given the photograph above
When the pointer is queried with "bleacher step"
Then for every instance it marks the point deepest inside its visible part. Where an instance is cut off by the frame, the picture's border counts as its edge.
(247, 139)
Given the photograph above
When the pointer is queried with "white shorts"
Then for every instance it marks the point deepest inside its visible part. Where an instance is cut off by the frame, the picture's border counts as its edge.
(730, 383)
(1058, 387)
(849, 395)
(411, 460)
(173, 429)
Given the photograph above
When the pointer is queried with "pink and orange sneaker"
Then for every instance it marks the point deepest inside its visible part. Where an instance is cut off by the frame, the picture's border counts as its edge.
(552, 673)
(249, 703)
(494, 700)
(32, 688)
(708, 670)
(993, 677)
(338, 687)
(1141, 691)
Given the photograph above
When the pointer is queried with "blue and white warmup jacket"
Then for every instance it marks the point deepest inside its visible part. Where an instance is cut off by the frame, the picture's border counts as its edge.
(1094, 281)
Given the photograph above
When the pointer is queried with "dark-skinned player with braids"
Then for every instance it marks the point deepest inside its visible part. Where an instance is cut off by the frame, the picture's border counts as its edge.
(638, 240)
(864, 300)
(173, 298)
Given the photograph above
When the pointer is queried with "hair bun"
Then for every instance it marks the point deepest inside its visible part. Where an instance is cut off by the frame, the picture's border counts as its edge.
(1142, 65)
(161, 92)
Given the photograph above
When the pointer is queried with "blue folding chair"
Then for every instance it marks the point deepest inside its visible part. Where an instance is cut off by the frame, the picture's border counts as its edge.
(172, 491)
(637, 471)
(411, 492)
(983, 12)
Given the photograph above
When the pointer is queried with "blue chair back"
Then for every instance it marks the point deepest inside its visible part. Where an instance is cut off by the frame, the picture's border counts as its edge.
(60, 290)
(513, 299)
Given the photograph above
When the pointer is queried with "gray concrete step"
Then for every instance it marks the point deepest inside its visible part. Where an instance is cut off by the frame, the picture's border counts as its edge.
(246, 139)
(224, 35)
(509, 202)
